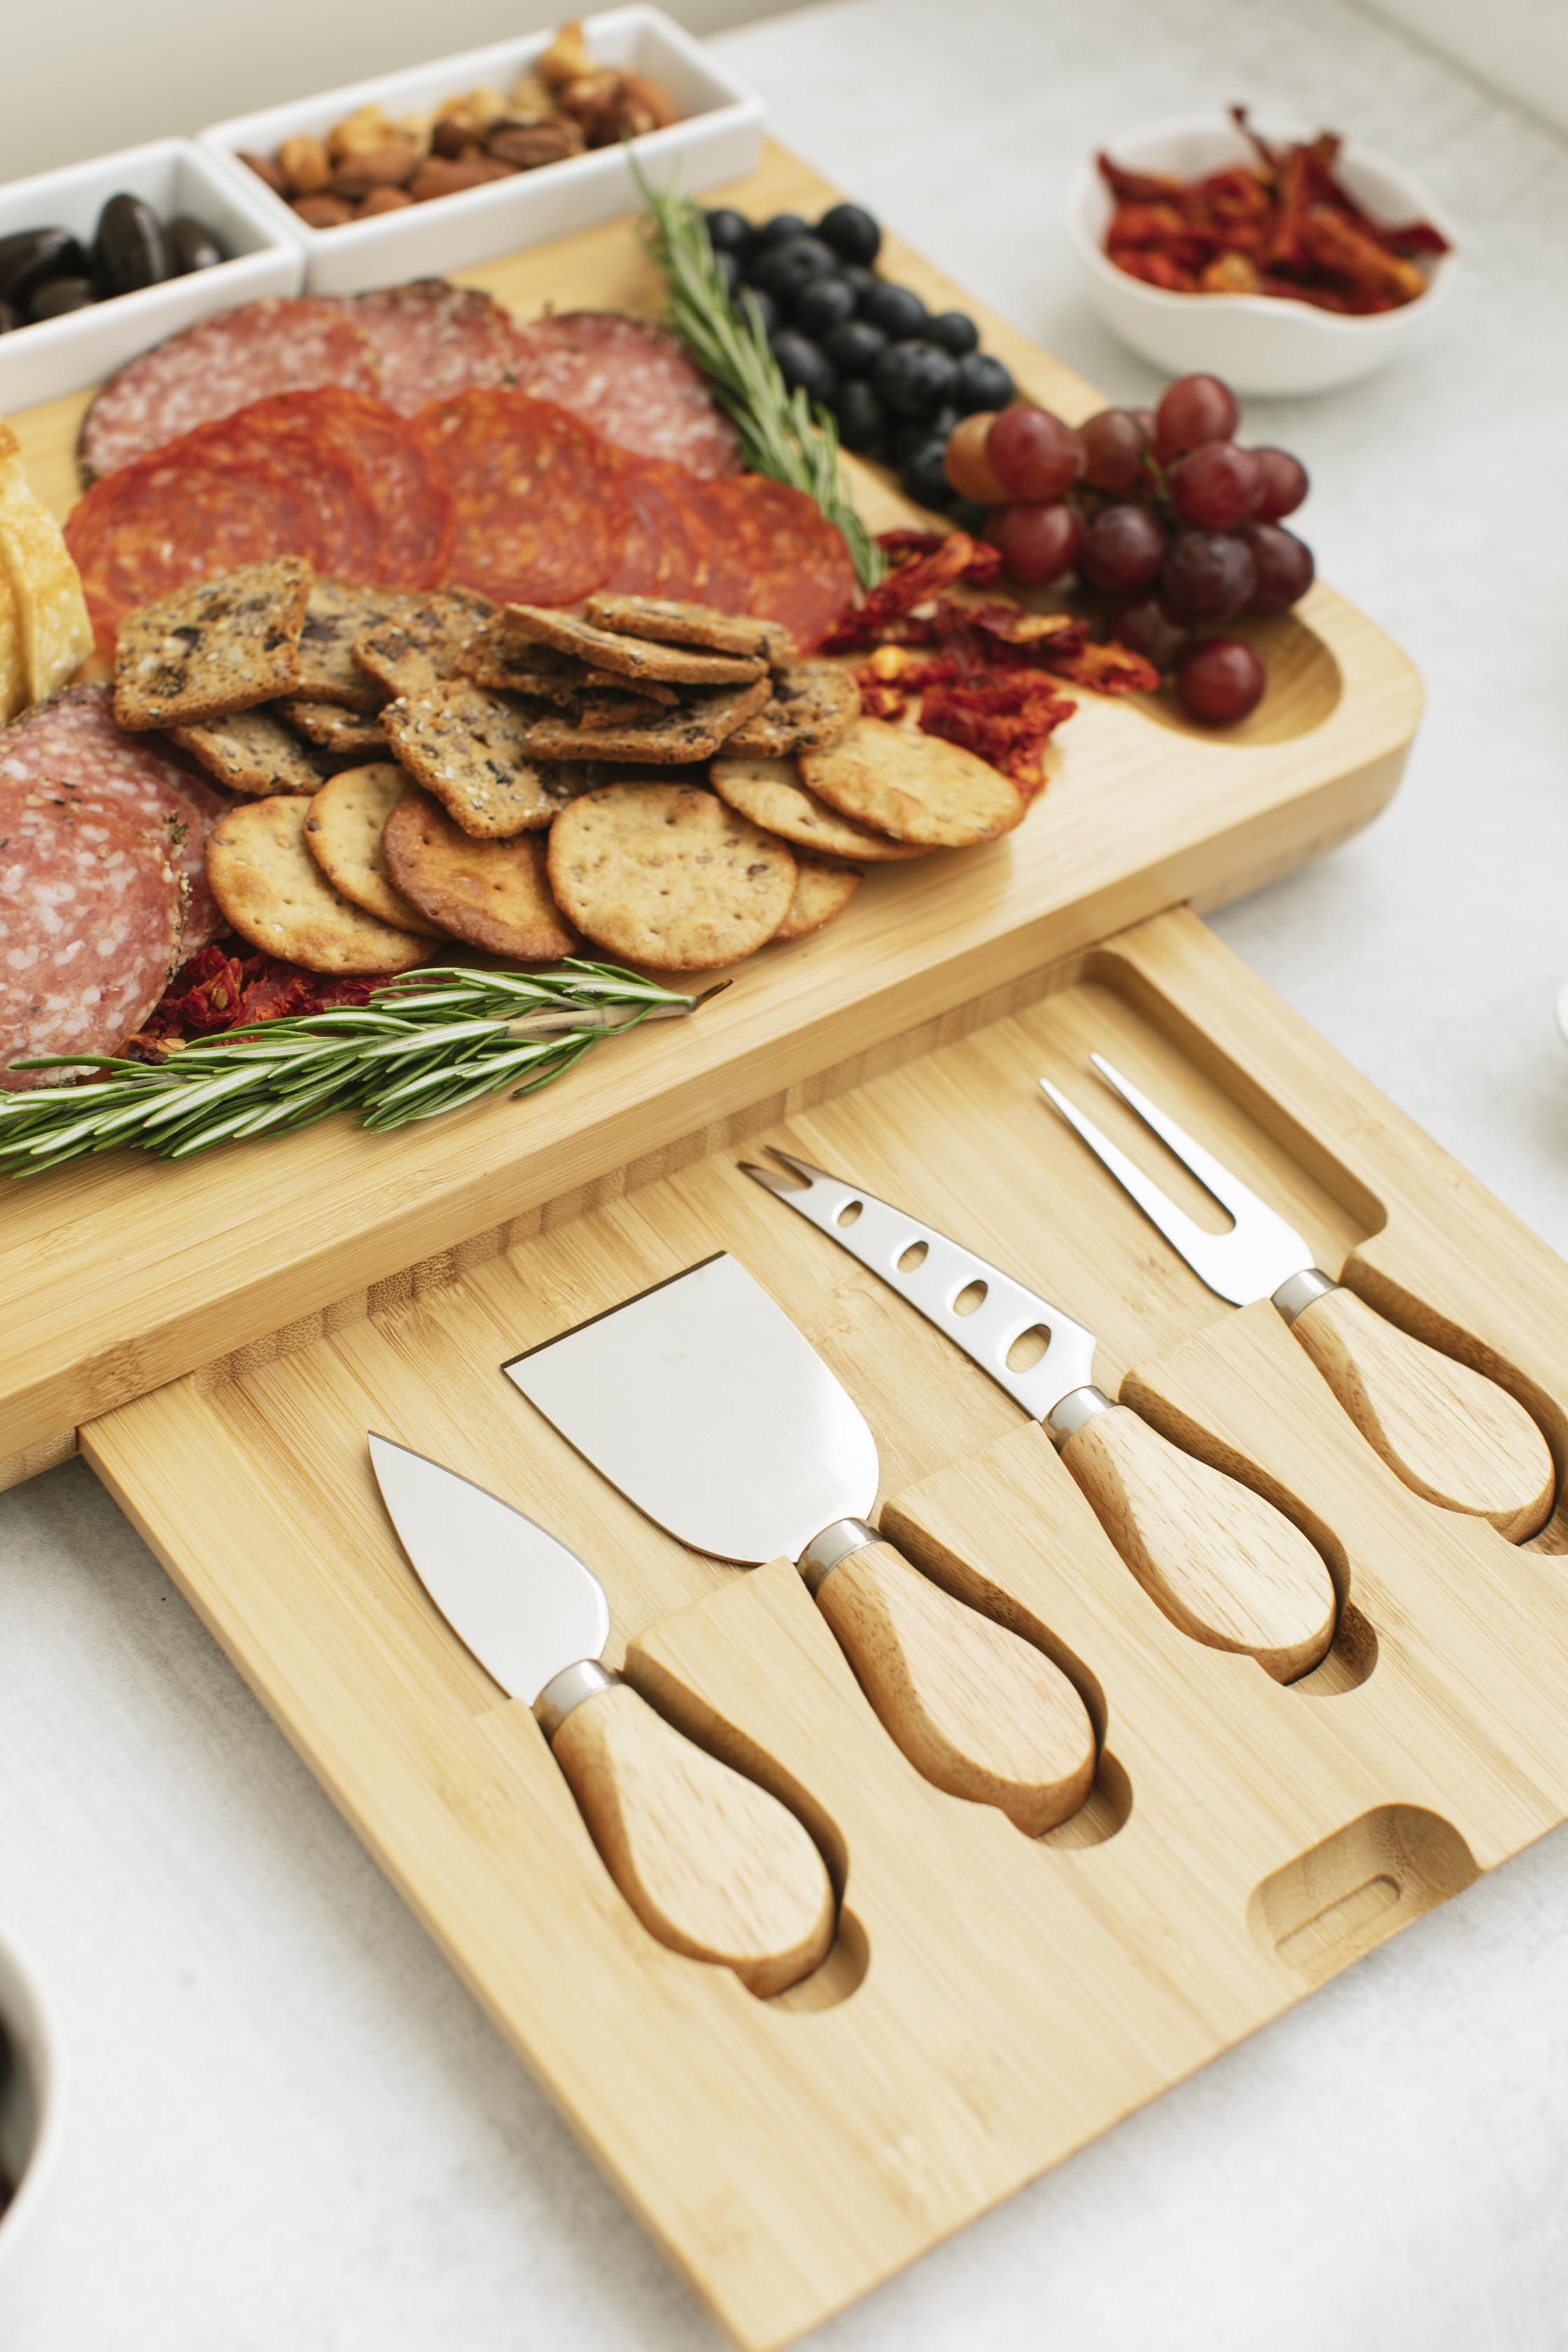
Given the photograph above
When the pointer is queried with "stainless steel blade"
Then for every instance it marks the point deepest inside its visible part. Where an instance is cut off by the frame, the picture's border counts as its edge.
(701, 1402)
(933, 1273)
(525, 1605)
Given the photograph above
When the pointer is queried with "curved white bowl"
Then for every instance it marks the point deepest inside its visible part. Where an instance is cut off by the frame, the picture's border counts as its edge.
(1259, 343)
(31, 2110)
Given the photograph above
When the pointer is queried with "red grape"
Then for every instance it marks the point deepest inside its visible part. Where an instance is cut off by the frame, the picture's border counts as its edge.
(1113, 446)
(1207, 575)
(1033, 454)
(1039, 538)
(1217, 485)
(967, 466)
(1123, 548)
(1195, 409)
(1284, 565)
(1285, 484)
(1143, 624)
(1221, 681)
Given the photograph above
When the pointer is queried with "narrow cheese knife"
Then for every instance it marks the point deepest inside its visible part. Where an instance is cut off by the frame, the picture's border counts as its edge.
(1223, 1564)
(712, 1864)
(701, 1402)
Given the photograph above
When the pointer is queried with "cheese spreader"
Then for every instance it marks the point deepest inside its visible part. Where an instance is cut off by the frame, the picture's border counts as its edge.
(1223, 1564)
(1454, 1436)
(712, 1864)
(705, 1406)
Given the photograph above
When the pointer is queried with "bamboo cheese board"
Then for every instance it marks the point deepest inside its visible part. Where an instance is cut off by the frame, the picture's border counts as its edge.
(121, 1274)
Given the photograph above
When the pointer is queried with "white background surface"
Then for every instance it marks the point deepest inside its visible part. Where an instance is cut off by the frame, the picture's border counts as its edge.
(292, 2128)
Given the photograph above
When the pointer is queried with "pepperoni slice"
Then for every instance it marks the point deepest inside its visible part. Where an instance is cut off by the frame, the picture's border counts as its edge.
(177, 517)
(539, 517)
(433, 341)
(634, 384)
(383, 509)
(220, 365)
(669, 544)
(776, 556)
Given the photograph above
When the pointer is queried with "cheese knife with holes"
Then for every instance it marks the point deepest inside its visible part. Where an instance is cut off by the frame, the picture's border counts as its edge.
(1223, 1564)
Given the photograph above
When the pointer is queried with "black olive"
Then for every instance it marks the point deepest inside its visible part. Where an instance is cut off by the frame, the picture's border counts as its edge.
(863, 281)
(923, 480)
(862, 422)
(767, 310)
(955, 330)
(983, 383)
(969, 516)
(824, 303)
(851, 232)
(897, 310)
(783, 226)
(855, 347)
(785, 270)
(730, 232)
(728, 270)
(130, 250)
(803, 363)
(34, 254)
(192, 246)
(10, 320)
(911, 435)
(59, 295)
(914, 379)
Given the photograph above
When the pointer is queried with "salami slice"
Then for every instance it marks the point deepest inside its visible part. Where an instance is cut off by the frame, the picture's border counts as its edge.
(92, 909)
(737, 547)
(775, 555)
(220, 365)
(178, 517)
(634, 384)
(433, 341)
(72, 739)
(668, 547)
(538, 514)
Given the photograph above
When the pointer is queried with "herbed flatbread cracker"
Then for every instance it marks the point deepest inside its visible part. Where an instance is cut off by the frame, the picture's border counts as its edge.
(812, 708)
(276, 897)
(337, 614)
(627, 656)
(343, 834)
(350, 734)
(50, 633)
(823, 888)
(771, 793)
(217, 647)
(668, 876)
(694, 731)
(470, 749)
(497, 656)
(418, 639)
(674, 623)
(252, 751)
(494, 893)
(916, 787)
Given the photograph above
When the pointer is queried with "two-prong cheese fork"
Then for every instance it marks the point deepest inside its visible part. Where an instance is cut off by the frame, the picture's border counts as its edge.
(1452, 1435)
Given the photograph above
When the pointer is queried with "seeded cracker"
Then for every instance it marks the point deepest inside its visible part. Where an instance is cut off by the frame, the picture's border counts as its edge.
(343, 834)
(276, 897)
(811, 708)
(497, 656)
(221, 646)
(627, 656)
(494, 893)
(342, 732)
(664, 739)
(915, 786)
(420, 640)
(771, 793)
(694, 625)
(252, 751)
(336, 615)
(667, 875)
(470, 749)
(823, 888)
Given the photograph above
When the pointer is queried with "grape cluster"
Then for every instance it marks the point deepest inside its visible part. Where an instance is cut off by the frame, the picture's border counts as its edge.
(1163, 511)
(897, 378)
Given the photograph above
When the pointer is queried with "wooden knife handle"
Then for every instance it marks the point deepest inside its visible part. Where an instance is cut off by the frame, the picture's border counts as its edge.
(712, 1864)
(1223, 1564)
(1449, 1432)
(978, 1711)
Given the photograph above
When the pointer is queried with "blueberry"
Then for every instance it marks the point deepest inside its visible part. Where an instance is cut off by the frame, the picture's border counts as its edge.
(899, 311)
(862, 422)
(863, 281)
(909, 435)
(923, 479)
(955, 332)
(856, 346)
(803, 363)
(914, 379)
(983, 383)
(781, 226)
(784, 270)
(825, 303)
(730, 232)
(851, 232)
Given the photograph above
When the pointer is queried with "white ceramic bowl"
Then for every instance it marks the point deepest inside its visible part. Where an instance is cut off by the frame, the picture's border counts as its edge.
(1258, 342)
(718, 138)
(31, 2104)
(60, 355)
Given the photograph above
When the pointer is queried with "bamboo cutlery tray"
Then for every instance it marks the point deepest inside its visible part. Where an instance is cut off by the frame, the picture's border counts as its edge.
(992, 2001)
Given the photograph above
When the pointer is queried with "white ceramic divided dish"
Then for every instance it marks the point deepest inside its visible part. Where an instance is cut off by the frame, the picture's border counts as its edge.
(60, 355)
(31, 2110)
(718, 138)
(1257, 342)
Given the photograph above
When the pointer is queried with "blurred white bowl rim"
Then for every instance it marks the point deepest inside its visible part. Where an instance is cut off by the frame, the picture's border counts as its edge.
(32, 2103)
(1259, 343)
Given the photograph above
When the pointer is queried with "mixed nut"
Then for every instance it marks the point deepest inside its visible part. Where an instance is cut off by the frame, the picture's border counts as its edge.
(46, 272)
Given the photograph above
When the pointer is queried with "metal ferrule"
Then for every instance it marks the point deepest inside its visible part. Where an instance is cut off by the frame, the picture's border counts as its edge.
(823, 1552)
(1078, 1406)
(1293, 1297)
(569, 1689)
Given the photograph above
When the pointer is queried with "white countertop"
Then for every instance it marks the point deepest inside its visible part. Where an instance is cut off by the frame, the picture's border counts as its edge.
(292, 2131)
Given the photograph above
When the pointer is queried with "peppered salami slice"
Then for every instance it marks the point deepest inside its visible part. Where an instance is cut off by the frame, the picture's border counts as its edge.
(433, 341)
(220, 365)
(383, 511)
(538, 514)
(92, 909)
(668, 547)
(178, 517)
(72, 741)
(737, 545)
(776, 556)
(634, 384)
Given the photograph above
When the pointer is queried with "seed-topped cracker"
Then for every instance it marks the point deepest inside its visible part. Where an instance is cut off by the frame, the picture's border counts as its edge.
(675, 623)
(494, 893)
(343, 834)
(823, 888)
(665, 874)
(348, 733)
(217, 647)
(335, 616)
(253, 752)
(771, 793)
(664, 739)
(276, 896)
(627, 656)
(497, 656)
(812, 708)
(916, 787)
(419, 639)
(472, 750)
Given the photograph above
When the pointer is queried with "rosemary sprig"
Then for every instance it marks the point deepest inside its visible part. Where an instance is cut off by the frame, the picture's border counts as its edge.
(429, 1042)
(781, 433)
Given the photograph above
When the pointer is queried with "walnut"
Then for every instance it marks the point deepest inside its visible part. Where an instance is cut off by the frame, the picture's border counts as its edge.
(361, 133)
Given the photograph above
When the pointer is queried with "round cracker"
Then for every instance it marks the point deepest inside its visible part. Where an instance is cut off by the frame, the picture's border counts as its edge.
(823, 888)
(668, 876)
(494, 893)
(915, 786)
(275, 895)
(343, 834)
(771, 793)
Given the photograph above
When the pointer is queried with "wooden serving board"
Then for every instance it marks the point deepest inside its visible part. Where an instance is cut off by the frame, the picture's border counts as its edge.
(121, 1274)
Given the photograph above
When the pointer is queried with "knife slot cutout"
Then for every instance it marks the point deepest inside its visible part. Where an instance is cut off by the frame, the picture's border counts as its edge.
(1357, 1887)
(1351, 1656)
(842, 1973)
(1107, 1808)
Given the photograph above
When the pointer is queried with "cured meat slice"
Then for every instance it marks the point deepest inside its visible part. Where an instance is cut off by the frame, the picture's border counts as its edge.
(220, 365)
(668, 548)
(775, 555)
(72, 739)
(178, 517)
(433, 341)
(384, 510)
(538, 514)
(634, 384)
(92, 909)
